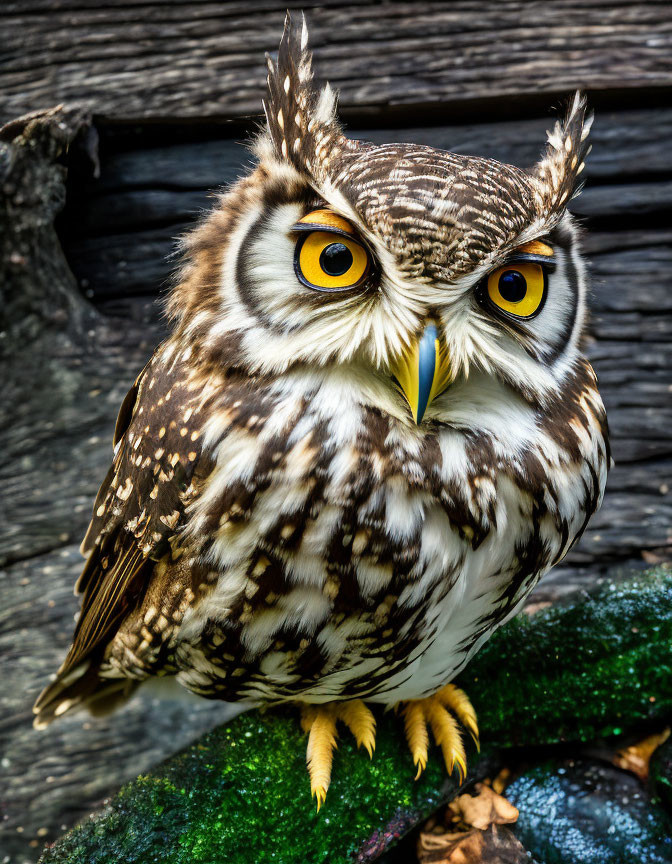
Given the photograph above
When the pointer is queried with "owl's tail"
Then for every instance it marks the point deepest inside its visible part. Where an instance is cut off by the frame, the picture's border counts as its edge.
(81, 687)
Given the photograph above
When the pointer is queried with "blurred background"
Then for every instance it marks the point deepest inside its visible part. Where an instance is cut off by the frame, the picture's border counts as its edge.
(159, 99)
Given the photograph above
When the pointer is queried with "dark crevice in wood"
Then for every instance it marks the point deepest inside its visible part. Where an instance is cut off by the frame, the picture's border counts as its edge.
(638, 177)
(380, 115)
(8, 560)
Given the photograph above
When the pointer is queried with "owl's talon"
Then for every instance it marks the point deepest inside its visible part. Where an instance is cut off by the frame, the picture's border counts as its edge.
(416, 734)
(319, 721)
(434, 711)
(361, 722)
(458, 702)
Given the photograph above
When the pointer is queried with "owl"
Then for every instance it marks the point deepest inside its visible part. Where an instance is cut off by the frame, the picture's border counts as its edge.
(369, 434)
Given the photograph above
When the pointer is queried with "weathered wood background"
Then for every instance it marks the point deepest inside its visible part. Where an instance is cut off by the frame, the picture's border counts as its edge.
(173, 88)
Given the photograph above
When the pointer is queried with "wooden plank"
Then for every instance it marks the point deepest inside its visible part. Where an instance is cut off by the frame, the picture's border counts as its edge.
(631, 326)
(598, 242)
(625, 143)
(117, 265)
(203, 59)
(632, 280)
(617, 202)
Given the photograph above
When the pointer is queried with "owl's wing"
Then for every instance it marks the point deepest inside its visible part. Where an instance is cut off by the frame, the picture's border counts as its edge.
(137, 514)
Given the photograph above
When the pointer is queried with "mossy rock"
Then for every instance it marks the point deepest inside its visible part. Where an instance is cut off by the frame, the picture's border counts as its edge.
(596, 666)
(590, 668)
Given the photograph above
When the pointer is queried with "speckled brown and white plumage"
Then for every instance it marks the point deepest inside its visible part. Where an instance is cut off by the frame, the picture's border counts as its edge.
(274, 526)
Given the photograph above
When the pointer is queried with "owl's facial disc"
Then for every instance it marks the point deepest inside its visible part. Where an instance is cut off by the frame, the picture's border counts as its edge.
(312, 288)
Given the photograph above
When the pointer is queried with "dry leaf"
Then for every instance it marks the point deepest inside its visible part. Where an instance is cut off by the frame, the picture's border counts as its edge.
(501, 781)
(637, 757)
(483, 809)
(531, 608)
(494, 846)
(656, 556)
(470, 833)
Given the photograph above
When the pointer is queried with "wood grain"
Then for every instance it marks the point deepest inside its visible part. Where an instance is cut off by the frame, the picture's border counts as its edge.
(205, 59)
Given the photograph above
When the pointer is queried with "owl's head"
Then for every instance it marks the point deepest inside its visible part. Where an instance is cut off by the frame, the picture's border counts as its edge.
(428, 277)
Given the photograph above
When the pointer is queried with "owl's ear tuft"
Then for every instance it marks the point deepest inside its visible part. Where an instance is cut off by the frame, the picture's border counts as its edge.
(556, 176)
(301, 118)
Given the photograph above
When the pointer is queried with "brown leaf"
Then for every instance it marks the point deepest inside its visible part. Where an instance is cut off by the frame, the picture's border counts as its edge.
(496, 845)
(501, 781)
(531, 608)
(637, 757)
(656, 556)
(483, 809)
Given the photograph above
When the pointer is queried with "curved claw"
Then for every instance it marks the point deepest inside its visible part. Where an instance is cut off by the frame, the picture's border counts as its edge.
(434, 711)
(458, 702)
(319, 721)
(361, 722)
(321, 725)
(416, 734)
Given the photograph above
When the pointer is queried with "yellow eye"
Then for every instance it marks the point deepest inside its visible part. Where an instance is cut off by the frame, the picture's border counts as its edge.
(330, 261)
(518, 289)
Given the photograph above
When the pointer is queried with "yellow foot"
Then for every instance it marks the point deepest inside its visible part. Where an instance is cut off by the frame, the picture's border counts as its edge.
(435, 711)
(319, 721)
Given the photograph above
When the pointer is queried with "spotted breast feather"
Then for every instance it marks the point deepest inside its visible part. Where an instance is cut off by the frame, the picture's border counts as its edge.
(349, 554)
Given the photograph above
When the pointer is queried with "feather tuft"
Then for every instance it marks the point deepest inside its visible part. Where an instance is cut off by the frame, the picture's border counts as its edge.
(301, 118)
(555, 176)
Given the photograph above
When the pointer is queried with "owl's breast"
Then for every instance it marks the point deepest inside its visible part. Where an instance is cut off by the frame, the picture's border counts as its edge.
(346, 551)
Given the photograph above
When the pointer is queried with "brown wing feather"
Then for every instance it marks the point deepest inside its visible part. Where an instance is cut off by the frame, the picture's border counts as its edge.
(138, 510)
(123, 421)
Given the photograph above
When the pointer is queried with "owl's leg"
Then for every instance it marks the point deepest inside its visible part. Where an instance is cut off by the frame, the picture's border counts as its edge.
(435, 711)
(319, 721)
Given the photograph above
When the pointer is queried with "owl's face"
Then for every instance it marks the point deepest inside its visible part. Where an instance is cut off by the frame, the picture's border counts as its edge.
(436, 281)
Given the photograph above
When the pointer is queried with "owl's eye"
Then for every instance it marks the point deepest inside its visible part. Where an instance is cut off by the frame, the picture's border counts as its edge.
(329, 260)
(518, 289)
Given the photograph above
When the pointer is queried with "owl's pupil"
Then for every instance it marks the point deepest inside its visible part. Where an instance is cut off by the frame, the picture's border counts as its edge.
(512, 286)
(336, 259)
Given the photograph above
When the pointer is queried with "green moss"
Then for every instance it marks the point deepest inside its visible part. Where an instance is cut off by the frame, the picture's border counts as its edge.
(592, 668)
(241, 793)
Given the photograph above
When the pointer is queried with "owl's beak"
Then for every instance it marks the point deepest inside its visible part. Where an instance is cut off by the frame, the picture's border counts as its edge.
(423, 372)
